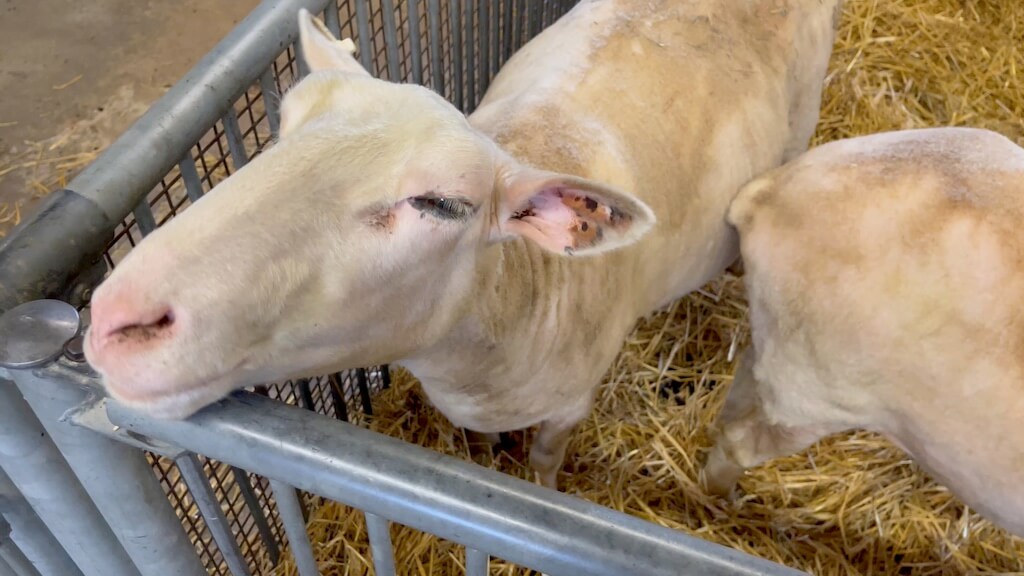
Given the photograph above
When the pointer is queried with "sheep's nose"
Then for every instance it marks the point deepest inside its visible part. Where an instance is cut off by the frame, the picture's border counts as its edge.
(124, 323)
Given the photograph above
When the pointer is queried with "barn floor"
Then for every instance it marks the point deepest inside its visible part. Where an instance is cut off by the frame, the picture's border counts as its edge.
(74, 75)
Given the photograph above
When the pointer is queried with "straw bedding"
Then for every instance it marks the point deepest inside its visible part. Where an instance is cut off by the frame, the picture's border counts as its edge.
(852, 504)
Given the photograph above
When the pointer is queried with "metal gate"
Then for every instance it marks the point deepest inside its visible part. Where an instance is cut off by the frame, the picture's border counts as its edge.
(90, 488)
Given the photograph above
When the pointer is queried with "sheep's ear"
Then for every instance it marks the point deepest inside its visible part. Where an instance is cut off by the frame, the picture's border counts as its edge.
(322, 51)
(568, 215)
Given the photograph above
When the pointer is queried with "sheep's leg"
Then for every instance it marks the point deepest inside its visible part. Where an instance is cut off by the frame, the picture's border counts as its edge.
(548, 449)
(744, 437)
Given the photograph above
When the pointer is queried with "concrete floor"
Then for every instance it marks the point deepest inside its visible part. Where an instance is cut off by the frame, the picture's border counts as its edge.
(75, 74)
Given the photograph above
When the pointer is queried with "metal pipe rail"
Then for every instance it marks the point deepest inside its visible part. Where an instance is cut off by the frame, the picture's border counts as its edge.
(489, 511)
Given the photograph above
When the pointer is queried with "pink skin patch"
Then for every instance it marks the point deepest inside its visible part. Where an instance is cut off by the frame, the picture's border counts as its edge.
(564, 220)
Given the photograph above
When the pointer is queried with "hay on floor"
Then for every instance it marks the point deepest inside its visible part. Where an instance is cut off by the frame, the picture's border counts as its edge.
(852, 504)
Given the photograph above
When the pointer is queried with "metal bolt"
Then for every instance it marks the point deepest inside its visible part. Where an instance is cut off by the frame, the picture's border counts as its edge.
(74, 349)
(86, 295)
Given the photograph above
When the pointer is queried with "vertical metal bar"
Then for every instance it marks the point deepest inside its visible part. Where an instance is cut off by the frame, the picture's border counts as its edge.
(520, 25)
(338, 397)
(381, 549)
(271, 101)
(506, 35)
(40, 473)
(199, 487)
(470, 55)
(305, 394)
(363, 27)
(434, 23)
(142, 518)
(534, 16)
(300, 61)
(494, 37)
(364, 391)
(331, 19)
(288, 507)
(476, 562)
(387, 9)
(385, 374)
(415, 36)
(483, 30)
(236, 146)
(259, 517)
(457, 60)
(190, 176)
(144, 217)
(30, 534)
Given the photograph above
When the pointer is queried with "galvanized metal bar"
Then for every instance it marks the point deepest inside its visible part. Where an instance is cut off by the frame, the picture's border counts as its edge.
(190, 176)
(295, 526)
(387, 9)
(364, 391)
(434, 37)
(304, 395)
(415, 39)
(236, 144)
(11, 557)
(30, 534)
(199, 487)
(144, 217)
(457, 60)
(507, 39)
(301, 66)
(259, 517)
(271, 101)
(457, 500)
(142, 518)
(383, 552)
(42, 476)
(331, 19)
(365, 44)
(338, 397)
(470, 55)
(534, 12)
(519, 24)
(476, 562)
(484, 27)
(71, 228)
(494, 38)
(5, 568)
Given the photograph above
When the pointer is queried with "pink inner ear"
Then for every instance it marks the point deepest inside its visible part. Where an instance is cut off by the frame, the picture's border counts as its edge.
(564, 220)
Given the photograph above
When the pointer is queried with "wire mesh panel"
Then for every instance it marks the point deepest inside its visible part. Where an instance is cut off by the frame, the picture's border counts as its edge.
(454, 47)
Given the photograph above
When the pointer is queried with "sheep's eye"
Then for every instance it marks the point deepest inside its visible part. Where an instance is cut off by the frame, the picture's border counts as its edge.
(445, 207)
